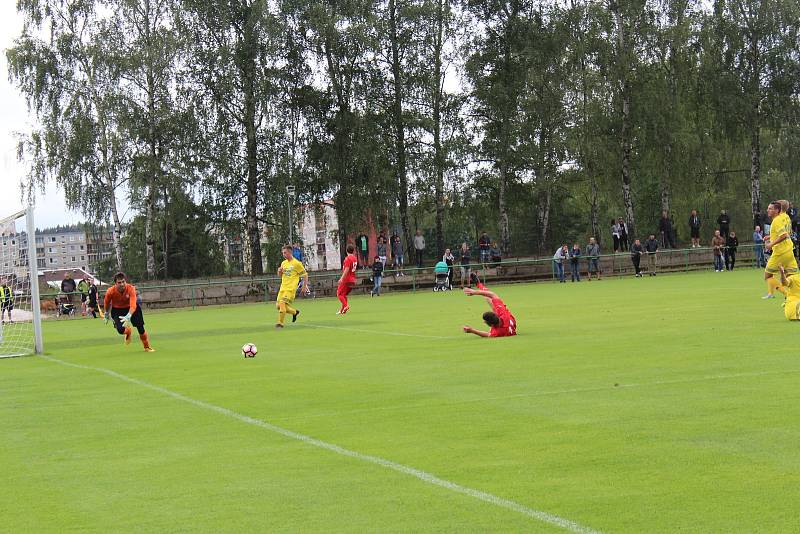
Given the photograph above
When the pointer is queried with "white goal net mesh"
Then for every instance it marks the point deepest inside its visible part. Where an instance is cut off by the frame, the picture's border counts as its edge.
(20, 329)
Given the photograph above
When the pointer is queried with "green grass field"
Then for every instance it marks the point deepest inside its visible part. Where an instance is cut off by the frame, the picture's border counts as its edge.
(639, 405)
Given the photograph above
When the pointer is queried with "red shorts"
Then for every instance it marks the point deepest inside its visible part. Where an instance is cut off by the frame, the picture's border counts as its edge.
(344, 289)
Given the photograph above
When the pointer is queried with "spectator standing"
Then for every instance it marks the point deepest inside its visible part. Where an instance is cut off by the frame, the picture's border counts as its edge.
(484, 245)
(450, 260)
(674, 232)
(593, 257)
(758, 241)
(574, 262)
(91, 304)
(758, 219)
(382, 250)
(466, 258)
(651, 248)
(623, 234)
(558, 260)
(724, 222)
(377, 276)
(615, 235)
(636, 256)
(83, 289)
(494, 254)
(6, 302)
(792, 213)
(665, 227)
(419, 246)
(718, 244)
(397, 255)
(68, 287)
(731, 244)
(694, 228)
(362, 246)
(297, 252)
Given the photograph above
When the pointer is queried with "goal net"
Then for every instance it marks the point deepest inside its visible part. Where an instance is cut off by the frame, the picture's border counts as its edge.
(21, 325)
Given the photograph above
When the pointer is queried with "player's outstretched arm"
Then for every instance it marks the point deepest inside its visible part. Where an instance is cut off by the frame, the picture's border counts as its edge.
(482, 292)
(784, 281)
(306, 287)
(470, 330)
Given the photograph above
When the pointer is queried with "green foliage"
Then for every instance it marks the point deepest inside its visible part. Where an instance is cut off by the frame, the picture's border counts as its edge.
(504, 115)
(184, 246)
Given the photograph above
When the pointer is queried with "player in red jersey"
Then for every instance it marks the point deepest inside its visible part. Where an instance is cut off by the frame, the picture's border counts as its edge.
(125, 309)
(500, 320)
(348, 279)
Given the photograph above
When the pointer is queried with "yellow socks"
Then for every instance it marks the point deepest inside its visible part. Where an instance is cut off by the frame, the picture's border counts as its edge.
(773, 284)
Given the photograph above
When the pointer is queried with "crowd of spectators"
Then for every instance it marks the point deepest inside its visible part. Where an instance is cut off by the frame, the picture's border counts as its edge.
(386, 249)
(582, 261)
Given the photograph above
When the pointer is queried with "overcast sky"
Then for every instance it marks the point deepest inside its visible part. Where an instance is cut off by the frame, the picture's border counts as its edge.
(50, 207)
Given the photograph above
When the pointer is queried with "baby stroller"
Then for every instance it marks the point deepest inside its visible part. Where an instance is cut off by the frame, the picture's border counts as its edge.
(441, 272)
(64, 306)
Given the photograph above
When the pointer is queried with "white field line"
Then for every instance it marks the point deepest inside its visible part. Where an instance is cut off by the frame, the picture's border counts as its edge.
(382, 332)
(401, 407)
(428, 478)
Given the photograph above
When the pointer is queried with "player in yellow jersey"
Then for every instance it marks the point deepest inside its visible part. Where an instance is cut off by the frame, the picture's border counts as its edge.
(290, 271)
(791, 308)
(780, 242)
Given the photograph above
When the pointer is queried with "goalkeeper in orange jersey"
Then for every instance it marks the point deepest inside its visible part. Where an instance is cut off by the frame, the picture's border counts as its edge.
(122, 305)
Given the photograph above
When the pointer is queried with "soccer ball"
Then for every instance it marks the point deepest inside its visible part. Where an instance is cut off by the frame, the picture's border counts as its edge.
(249, 350)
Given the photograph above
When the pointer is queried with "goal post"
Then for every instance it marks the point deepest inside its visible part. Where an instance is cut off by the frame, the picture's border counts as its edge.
(20, 313)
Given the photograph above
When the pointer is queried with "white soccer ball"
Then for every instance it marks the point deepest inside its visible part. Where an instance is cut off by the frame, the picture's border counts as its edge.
(249, 350)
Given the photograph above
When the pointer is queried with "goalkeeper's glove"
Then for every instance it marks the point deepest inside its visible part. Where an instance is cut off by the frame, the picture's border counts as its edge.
(106, 319)
(127, 319)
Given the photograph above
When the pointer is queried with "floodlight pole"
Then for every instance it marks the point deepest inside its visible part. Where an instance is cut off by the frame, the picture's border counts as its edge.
(290, 197)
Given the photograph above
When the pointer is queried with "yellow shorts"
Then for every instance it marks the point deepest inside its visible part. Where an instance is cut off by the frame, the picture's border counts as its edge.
(785, 260)
(791, 309)
(286, 296)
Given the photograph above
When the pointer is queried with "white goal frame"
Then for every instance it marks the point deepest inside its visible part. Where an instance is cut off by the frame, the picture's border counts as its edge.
(27, 333)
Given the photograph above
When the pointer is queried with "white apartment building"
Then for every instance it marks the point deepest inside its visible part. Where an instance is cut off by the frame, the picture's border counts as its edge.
(62, 248)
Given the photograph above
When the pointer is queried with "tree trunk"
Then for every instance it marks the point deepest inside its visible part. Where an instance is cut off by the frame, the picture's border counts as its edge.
(438, 158)
(256, 266)
(625, 141)
(755, 170)
(116, 234)
(165, 216)
(594, 207)
(507, 116)
(755, 125)
(109, 177)
(150, 248)
(544, 220)
(153, 172)
(399, 125)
